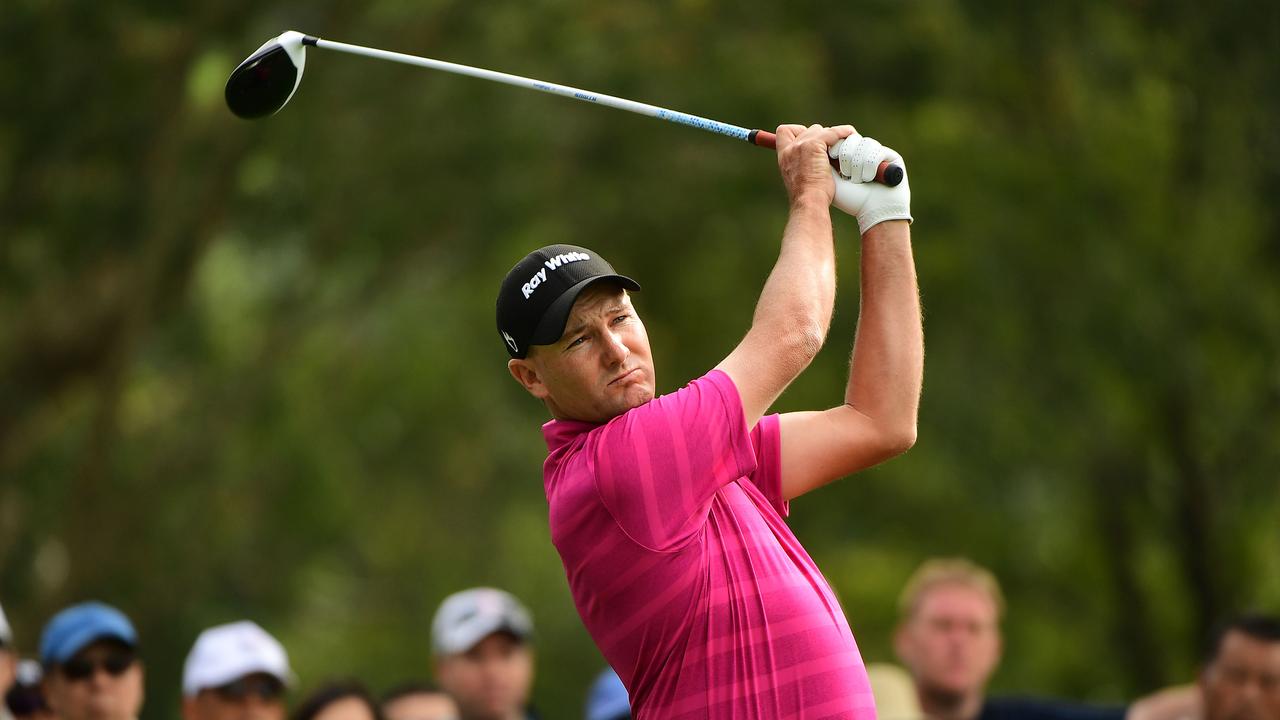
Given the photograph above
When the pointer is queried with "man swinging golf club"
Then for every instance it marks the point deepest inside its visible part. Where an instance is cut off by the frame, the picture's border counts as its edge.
(668, 511)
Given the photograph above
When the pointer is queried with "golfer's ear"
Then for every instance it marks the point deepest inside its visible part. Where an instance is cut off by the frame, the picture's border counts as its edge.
(527, 375)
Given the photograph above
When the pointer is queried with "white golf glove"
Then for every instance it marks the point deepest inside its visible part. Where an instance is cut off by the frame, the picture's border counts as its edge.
(857, 193)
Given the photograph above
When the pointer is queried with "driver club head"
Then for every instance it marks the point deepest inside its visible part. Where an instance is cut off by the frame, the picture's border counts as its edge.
(264, 82)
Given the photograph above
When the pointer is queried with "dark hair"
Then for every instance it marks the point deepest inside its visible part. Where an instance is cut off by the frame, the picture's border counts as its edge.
(1255, 625)
(412, 687)
(331, 692)
(23, 700)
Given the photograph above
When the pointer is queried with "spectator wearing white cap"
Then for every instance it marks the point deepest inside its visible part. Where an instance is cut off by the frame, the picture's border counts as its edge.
(236, 671)
(483, 658)
(91, 666)
(8, 663)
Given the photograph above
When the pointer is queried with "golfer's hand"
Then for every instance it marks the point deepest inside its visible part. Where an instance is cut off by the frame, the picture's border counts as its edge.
(856, 191)
(803, 162)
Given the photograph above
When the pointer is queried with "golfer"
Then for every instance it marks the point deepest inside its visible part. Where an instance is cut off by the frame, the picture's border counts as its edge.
(668, 511)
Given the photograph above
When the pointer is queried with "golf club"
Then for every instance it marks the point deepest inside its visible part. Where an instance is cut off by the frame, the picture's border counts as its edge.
(265, 82)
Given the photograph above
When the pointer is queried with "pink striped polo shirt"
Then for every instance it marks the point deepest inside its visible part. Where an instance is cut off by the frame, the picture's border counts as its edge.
(669, 521)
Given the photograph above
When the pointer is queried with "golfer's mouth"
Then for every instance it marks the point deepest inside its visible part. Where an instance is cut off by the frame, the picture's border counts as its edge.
(632, 373)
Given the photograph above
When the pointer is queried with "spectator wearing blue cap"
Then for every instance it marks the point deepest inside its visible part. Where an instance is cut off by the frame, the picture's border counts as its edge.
(607, 699)
(90, 657)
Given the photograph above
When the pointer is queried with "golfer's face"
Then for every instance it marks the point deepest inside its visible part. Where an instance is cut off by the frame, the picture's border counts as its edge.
(601, 367)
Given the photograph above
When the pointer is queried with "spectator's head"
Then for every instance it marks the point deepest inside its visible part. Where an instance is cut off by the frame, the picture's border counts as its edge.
(340, 700)
(91, 666)
(8, 658)
(483, 659)
(1241, 675)
(235, 671)
(418, 701)
(25, 698)
(607, 699)
(948, 632)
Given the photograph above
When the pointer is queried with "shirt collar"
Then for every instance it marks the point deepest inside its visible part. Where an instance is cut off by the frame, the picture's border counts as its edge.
(559, 433)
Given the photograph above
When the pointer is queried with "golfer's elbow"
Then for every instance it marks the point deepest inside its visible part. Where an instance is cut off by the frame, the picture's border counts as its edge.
(892, 437)
(899, 439)
(801, 341)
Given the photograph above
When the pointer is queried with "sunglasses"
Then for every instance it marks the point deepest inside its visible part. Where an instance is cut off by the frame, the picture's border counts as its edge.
(264, 688)
(115, 664)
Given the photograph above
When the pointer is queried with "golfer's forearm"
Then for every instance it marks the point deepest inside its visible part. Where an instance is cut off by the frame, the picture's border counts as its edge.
(798, 297)
(887, 366)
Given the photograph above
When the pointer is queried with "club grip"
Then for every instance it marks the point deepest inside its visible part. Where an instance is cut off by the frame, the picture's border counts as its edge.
(888, 173)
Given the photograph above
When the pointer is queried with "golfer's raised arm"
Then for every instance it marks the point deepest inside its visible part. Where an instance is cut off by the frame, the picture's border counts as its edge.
(794, 310)
(878, 418)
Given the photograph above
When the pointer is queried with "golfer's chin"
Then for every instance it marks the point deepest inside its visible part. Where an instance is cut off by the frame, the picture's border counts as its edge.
(629, 397)
(638, 395)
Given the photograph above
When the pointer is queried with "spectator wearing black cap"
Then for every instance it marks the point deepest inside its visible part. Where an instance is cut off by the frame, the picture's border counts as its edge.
(236, 671)
(91, 666)
(483, 658)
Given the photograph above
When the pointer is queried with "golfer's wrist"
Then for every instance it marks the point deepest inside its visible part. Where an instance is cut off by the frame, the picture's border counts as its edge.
(809, 200)
(888, 231)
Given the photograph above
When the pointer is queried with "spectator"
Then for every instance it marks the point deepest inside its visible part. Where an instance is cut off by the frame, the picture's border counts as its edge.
(25, 699)
(418, 701)
(949, 638)
(483, 659)
(339, 700)
(91, 665)
(235, 671)
(607, 699)
(8, 663)
(1241, 675)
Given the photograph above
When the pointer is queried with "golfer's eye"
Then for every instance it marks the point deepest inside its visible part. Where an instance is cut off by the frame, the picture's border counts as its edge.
(620, 318)
(577, 342)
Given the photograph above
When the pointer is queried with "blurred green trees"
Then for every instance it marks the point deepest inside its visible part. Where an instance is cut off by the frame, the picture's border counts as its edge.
(250, 370)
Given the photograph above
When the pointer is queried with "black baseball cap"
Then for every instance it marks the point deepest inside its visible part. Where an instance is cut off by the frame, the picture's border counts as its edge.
(538, 293)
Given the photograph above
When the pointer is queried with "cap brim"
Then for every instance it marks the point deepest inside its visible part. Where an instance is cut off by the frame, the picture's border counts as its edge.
(84, 638)
(463, 642)
(235, 672)
(551, 327)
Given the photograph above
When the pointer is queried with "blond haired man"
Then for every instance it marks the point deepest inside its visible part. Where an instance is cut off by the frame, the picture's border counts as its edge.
(948, 636)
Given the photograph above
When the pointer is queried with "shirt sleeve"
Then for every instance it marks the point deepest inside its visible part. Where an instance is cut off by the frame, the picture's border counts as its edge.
(766, 438)
(658, 466)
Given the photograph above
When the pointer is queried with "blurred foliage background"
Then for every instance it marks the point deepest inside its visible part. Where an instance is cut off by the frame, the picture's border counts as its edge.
(250, 369)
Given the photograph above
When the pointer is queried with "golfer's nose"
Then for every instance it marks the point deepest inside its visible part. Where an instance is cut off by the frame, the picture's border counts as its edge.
(615, 349)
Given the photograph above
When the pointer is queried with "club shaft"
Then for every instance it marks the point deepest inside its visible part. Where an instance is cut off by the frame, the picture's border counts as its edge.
(588, 96)
(886, 174)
